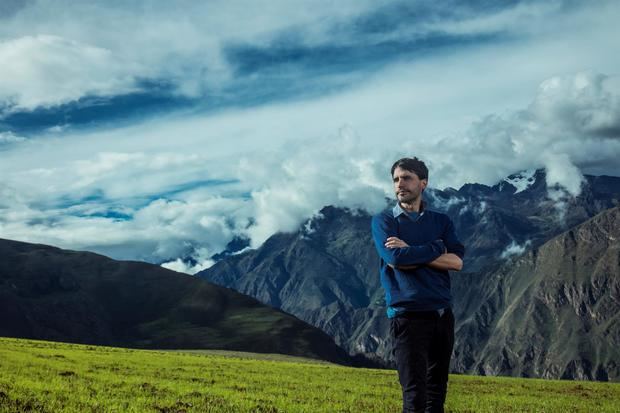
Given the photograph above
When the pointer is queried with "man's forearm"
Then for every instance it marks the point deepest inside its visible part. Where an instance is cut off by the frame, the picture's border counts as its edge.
(445, 262)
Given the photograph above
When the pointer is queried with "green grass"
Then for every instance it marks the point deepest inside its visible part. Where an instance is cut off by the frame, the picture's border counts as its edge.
(38, 376)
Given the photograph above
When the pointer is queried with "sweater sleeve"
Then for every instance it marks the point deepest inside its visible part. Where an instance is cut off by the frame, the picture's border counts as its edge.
(383, 227)
(453, 245)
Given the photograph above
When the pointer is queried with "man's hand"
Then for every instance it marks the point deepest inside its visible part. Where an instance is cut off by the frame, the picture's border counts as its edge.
(393, 242)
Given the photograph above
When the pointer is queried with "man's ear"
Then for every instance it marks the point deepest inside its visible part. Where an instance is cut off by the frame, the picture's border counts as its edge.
(424, 182)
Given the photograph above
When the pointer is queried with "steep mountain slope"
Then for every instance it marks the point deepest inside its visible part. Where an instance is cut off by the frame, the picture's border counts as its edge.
(553, 312)
(327, 272)
(53, 294)
(325, 275)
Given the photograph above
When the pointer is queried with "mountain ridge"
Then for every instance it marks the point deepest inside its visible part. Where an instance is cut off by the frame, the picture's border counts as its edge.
(81, 297)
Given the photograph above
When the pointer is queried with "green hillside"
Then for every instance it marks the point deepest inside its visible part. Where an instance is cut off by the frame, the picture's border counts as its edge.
(38, 376)
(47, 293)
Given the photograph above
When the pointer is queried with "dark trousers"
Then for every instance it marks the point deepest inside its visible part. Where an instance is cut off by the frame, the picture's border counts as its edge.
(423, 344)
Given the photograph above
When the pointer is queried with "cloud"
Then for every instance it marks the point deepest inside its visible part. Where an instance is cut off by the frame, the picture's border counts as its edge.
(47, 70)
(515, 249)
(153, 207)
(94, 48)
(560, 171)
(200, 50)
(320, 126)
(568, 127)
(161, 231)
(180, 266)
(299, 181)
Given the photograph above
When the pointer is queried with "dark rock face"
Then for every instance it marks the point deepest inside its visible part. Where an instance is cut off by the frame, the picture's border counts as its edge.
(327, 272)
(53, 294)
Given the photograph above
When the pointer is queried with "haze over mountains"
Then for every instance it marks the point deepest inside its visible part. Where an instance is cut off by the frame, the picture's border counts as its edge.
(326, 273)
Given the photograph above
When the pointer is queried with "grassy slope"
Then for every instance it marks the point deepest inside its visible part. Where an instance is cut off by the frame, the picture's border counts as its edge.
(47, 293)
(53, 377)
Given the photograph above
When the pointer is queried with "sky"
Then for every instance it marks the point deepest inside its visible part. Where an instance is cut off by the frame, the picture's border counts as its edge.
(163, 131)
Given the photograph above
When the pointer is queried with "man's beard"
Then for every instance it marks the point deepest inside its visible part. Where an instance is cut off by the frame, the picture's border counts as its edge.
(408, 197)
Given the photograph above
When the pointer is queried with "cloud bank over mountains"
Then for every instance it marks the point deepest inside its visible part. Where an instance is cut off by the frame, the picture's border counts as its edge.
(571, 124)
(160, 132)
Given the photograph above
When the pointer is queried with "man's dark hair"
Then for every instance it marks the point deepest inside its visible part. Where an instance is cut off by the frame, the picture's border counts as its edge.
(412, 165)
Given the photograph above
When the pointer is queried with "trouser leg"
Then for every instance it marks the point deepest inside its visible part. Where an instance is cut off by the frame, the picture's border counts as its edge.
(412, 339)
(439, 363)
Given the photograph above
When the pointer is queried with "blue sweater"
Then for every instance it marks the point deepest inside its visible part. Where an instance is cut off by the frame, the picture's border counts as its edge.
(428, 234)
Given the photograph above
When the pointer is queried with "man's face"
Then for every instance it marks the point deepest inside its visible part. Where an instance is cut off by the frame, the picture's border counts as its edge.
(407, 186)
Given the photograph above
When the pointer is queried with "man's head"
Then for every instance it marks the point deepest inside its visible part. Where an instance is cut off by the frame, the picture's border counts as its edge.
(410, 177)
(412, 165)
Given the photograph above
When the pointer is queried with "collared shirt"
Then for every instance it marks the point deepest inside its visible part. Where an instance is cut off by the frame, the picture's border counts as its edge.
(398, 210)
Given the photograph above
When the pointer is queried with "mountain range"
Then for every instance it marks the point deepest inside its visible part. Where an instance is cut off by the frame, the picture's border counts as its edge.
(326, 273)
(539, 295)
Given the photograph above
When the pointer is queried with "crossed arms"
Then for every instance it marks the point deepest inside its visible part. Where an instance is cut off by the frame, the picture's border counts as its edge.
(443, 254)
(445, 262)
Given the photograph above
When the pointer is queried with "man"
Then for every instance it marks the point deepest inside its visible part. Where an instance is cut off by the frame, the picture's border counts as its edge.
(417, 247)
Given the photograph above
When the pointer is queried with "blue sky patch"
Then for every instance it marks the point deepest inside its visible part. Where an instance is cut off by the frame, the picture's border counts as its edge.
(95, 111)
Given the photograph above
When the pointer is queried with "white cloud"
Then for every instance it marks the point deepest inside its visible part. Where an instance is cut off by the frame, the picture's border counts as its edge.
(297, 184)
(103, 48)
(47, 70)
(561, 171)
(444, 204)
(569, 125)
(181, 266)
(515, 249)
(162, 230)
(51, 57)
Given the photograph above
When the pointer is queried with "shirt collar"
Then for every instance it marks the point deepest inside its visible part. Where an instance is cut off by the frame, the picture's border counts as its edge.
(398, 210)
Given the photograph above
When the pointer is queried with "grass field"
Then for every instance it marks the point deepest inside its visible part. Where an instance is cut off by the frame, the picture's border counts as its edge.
(37, 376)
